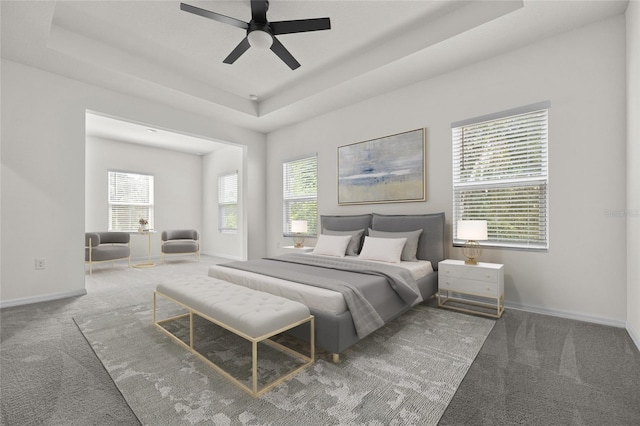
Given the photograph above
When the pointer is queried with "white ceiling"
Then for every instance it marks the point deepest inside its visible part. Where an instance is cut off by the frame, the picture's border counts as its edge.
(154, 50)
(99, 125)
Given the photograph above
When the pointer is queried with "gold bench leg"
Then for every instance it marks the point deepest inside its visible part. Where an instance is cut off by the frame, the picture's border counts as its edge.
(254, 367)
(191, 329)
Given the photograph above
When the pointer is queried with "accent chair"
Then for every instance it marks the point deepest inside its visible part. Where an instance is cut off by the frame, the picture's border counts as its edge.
(105, 247)
(180, 241)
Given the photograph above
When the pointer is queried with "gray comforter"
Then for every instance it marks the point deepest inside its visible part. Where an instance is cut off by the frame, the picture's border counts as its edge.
(366, 316)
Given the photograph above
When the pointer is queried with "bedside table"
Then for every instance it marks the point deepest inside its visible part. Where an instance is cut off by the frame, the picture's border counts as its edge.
(482, 281)
(292, 249)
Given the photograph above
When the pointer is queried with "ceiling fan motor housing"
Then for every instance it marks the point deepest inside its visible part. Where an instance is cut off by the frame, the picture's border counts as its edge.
(259, 35)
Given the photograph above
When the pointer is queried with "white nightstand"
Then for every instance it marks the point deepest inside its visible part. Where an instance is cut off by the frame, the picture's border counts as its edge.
(484, 281)
(292, 249)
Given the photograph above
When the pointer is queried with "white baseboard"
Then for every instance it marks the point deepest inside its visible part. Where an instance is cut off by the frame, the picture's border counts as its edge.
(43, 298)
(221, 255)
(634, 335)
(568, 315)
(155, 258)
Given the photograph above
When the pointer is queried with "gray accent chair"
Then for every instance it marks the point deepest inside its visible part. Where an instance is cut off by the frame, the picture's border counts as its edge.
(106, 247)
(180, 241)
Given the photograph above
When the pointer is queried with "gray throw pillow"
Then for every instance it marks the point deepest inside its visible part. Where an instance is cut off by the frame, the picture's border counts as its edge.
(410, 247)
(356, 237)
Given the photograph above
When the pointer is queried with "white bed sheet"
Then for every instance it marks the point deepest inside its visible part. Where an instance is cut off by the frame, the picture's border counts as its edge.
(314, 297)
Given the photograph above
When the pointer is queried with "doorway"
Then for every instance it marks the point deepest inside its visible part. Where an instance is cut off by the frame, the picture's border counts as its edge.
(185, 170)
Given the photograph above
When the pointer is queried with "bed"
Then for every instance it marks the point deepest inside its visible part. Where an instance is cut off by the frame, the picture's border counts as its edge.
(318, 280)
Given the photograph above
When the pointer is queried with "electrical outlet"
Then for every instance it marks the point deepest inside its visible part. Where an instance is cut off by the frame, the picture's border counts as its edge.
(40, 264)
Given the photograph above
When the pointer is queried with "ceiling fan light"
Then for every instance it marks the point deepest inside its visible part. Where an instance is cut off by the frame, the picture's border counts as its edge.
(260, 39)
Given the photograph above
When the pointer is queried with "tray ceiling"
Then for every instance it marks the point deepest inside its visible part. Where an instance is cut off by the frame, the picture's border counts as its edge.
(154, 50)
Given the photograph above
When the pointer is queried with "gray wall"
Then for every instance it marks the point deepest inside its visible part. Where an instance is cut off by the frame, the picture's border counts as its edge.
(186, 192)
(43, 175)
(228, 245)
(582, 73)
(177, 187)
(633, 170)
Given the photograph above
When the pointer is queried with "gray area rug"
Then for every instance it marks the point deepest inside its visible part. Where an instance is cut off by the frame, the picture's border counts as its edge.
(405, 373)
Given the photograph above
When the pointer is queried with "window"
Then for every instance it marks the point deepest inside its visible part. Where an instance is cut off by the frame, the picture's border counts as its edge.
(300, 193)
(500, 175)
(228, 202)
(130, 199)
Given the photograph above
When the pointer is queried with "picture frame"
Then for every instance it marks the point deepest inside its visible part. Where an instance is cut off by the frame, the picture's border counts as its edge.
(390, 169)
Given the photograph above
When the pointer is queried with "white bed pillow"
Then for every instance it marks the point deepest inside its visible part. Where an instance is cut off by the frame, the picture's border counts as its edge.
(332, 245)
(382, 249)
(410, 247)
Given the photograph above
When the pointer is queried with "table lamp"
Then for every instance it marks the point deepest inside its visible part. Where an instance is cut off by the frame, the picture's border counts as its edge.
(298, 227)
(472, 231)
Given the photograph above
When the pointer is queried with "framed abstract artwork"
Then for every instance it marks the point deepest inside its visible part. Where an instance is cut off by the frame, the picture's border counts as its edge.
(390, 169)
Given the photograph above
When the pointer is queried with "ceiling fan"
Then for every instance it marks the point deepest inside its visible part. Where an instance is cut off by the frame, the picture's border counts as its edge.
(261, 32)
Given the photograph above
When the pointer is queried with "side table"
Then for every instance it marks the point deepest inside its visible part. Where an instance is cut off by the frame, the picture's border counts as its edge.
(482, 281)
(149, 263)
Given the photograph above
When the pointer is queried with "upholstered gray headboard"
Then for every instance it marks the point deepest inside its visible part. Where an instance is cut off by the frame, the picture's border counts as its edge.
(346, 223)
(431, 243)
(430, 246)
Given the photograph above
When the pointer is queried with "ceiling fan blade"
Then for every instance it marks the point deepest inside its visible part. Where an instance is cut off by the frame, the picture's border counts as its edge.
(215, 16)
(259, 10)
(284, 54)
(300, 26)
(238, 51)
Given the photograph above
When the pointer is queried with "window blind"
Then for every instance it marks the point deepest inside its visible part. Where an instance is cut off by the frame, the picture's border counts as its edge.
(500, 174)
(130, 199)
(228, 201)
(300, 193)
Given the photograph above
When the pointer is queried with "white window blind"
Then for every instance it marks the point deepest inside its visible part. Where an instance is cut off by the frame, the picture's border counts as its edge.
(228, 201)
(500, 174)
(300, 193)
(130, 199)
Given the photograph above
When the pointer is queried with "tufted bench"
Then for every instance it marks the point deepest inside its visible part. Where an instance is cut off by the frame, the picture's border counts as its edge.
(254, 315)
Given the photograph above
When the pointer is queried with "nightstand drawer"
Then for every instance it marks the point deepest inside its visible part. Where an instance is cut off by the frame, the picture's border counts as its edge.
(464, 285)
(470, 272)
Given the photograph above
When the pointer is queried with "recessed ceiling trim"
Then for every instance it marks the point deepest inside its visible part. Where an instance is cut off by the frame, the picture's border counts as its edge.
(455, 19)
(145, 37)
(98, 54)
(119, 129)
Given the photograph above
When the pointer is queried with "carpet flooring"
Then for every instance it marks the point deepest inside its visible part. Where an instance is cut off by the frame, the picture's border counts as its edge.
(542, 370)
(532, 369)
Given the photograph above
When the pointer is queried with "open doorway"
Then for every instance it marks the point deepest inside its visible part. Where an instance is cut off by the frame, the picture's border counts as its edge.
(185, 170)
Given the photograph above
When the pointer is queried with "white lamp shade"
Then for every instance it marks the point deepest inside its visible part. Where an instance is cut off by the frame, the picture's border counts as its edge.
(260, 39)
(475, 230)
(299, 226)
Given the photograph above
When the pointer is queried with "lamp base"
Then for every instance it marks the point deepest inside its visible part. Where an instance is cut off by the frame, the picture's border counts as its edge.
(298, 241)
(472, 251)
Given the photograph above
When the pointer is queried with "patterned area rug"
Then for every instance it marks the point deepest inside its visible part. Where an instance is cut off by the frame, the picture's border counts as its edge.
(405, 373)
